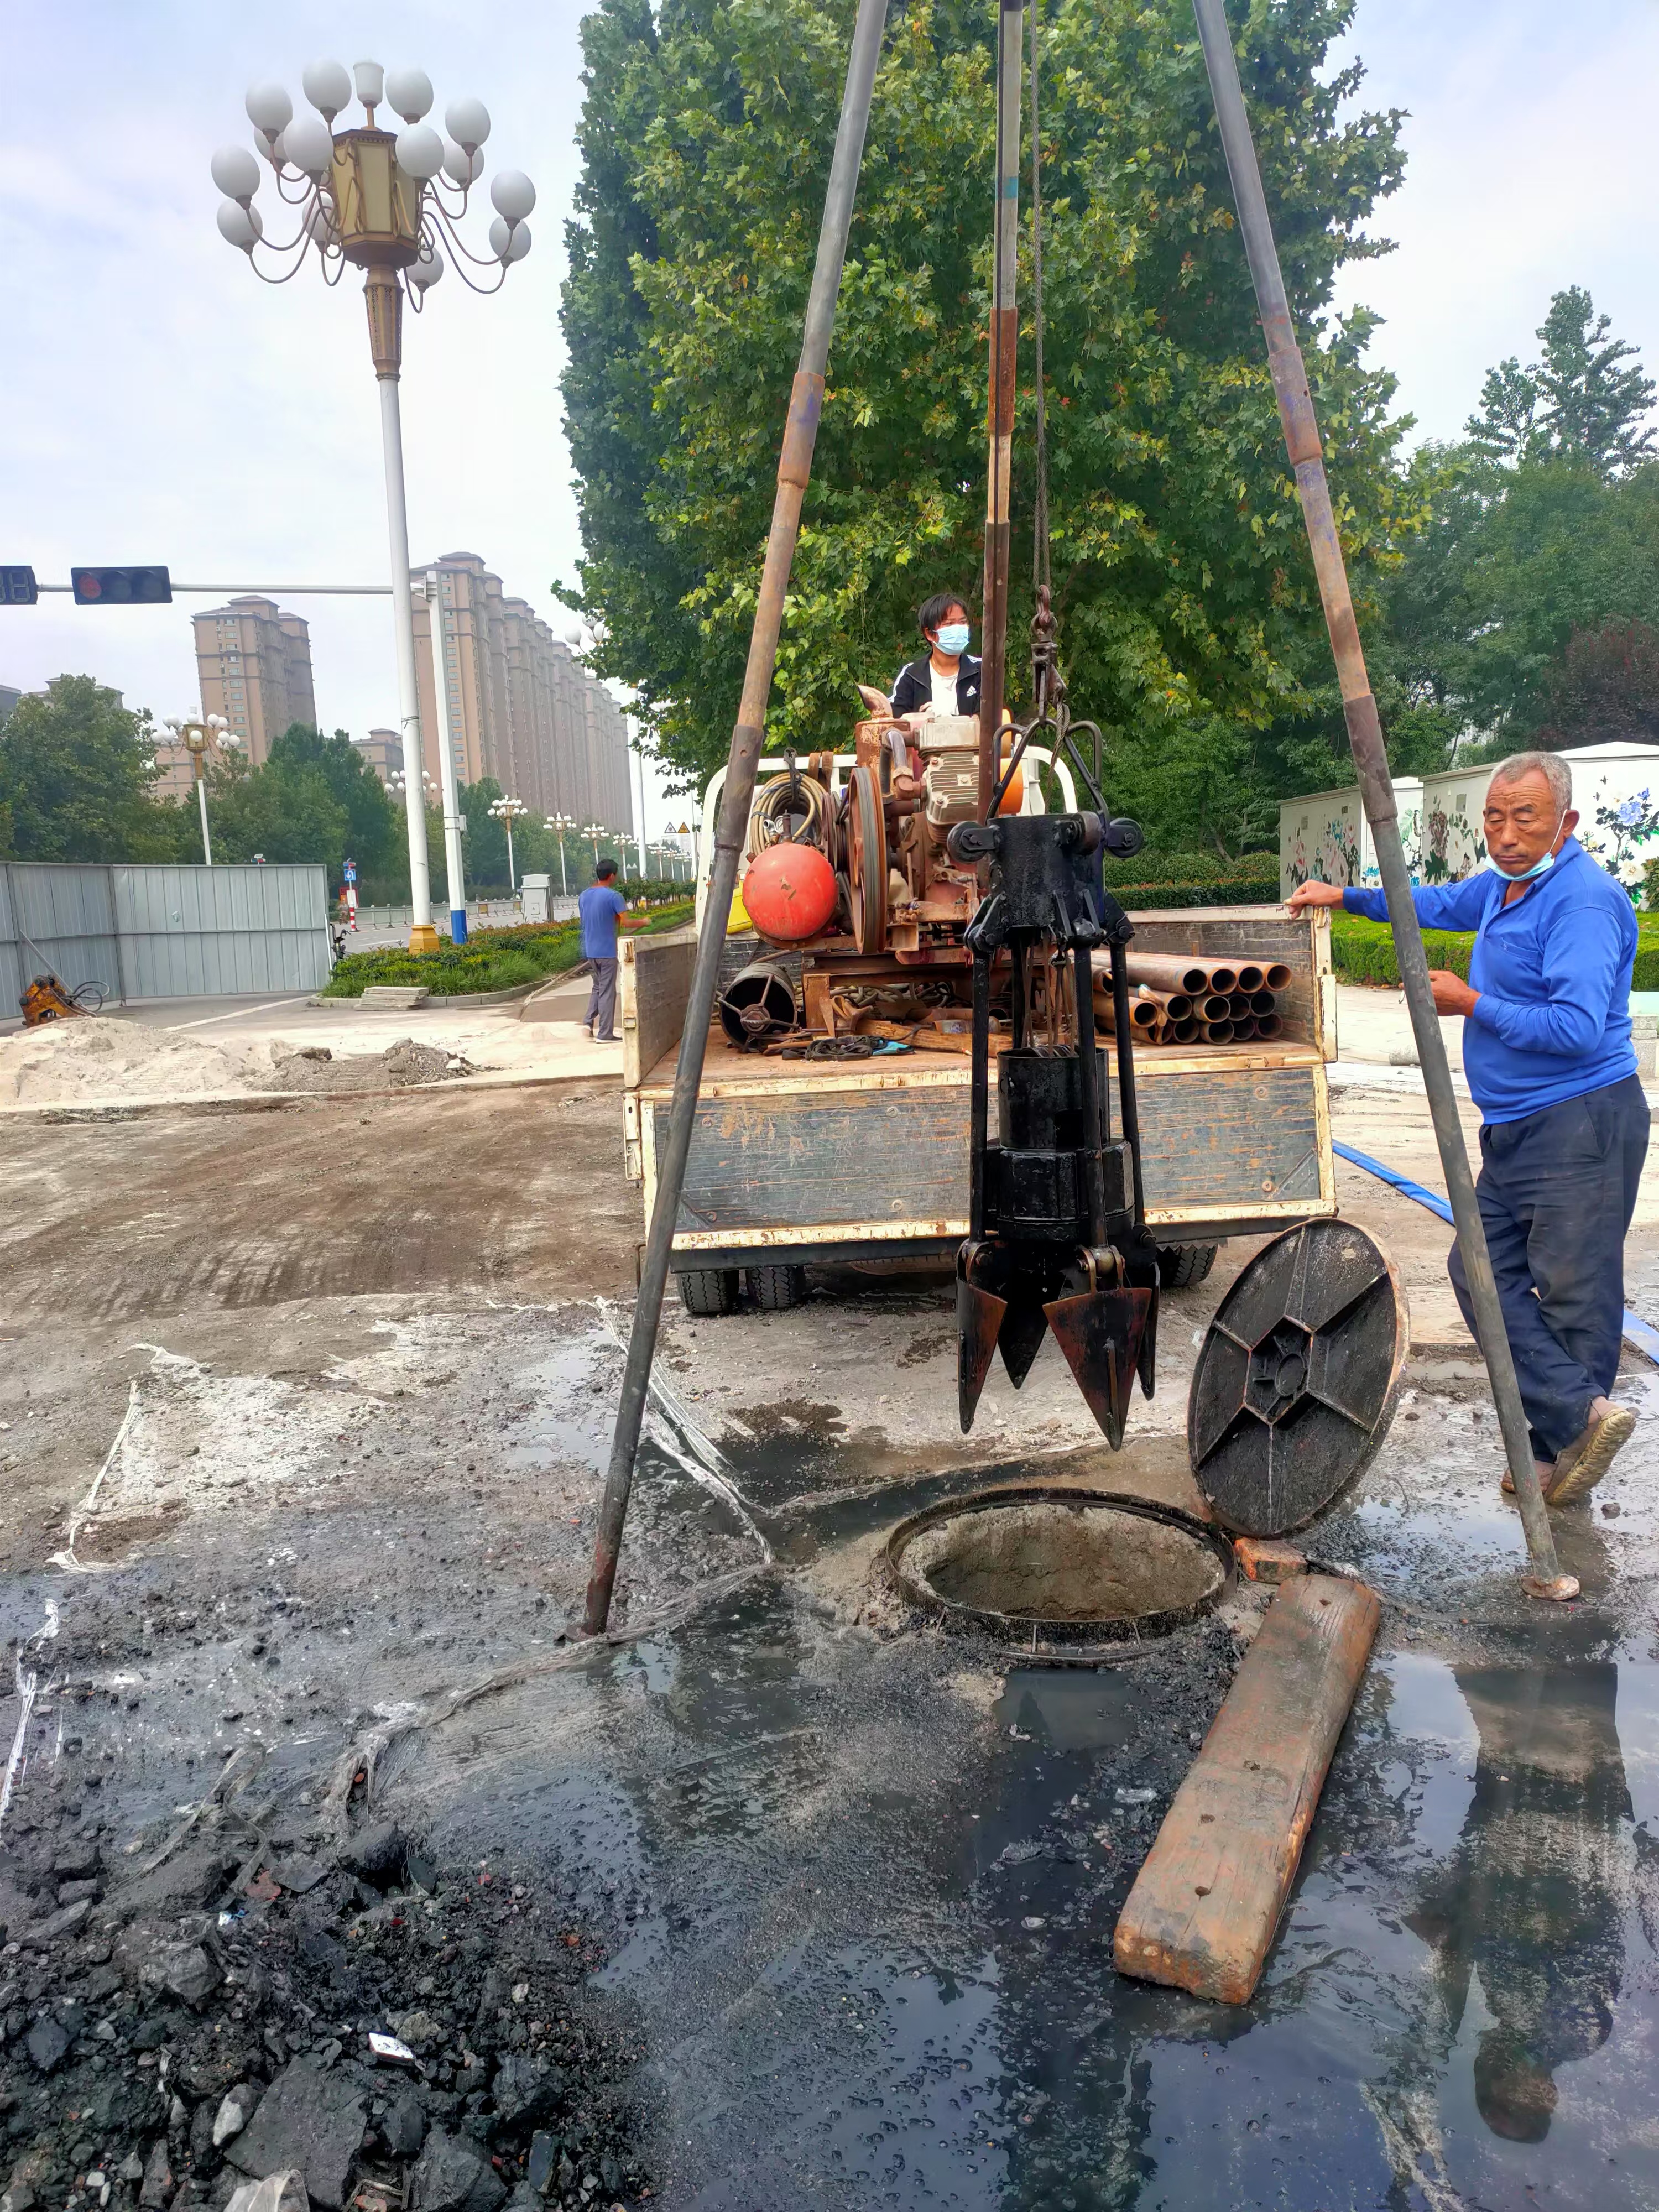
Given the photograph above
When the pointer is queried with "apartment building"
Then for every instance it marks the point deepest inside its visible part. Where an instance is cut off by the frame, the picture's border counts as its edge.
(383, 750)
(520, 709)
(254, 666)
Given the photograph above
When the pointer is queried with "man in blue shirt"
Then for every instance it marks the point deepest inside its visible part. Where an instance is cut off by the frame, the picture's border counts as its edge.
(1547, 1053)
(598, 907)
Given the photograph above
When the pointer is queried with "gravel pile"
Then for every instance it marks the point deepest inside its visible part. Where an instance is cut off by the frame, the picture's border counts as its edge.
(168, 2035)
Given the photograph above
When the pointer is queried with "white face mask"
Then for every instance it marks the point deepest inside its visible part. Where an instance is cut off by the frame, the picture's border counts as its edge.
(1539, 867)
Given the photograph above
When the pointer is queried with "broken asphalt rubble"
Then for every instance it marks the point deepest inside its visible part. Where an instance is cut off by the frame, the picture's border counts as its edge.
(170, 2035)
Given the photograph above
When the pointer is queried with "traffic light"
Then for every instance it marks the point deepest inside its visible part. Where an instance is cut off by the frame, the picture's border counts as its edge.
(17, 587)
(120, 587)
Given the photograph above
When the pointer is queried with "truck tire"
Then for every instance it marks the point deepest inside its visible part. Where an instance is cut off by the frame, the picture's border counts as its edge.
(775, 1290)
(1180, 1266)
(707, 1291)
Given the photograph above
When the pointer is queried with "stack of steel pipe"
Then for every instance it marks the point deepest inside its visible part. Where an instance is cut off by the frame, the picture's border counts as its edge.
(1177, 1000)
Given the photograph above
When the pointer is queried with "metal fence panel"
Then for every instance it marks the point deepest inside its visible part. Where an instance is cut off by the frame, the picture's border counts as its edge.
(163, 932)
(57, 919)
(188, 933)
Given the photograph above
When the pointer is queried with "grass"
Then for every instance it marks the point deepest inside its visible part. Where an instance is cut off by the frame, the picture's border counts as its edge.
(490, 960)
(1363, 951)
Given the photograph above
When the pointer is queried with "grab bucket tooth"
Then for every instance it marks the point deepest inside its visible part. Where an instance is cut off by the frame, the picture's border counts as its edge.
(1101, 1333)
(979, 1323)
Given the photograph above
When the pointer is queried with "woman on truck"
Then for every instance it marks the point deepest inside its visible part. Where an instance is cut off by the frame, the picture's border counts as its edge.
(945, 680)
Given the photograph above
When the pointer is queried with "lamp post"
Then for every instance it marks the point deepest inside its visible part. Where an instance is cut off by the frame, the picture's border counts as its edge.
(198, 739)
(454, 877)
(595, 831)
(558, 823)
(381, 200)
(507, 811)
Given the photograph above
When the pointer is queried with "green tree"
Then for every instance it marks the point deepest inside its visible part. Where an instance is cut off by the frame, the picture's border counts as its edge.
(375, 834)
(77, 776)
(285, 810)
(1582, 402)
(1189, 616)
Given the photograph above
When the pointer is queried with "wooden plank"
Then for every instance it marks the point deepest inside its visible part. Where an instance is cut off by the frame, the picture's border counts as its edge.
(1206, 1903)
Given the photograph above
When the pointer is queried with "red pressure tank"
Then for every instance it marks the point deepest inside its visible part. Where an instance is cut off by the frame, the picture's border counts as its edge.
(789, 892)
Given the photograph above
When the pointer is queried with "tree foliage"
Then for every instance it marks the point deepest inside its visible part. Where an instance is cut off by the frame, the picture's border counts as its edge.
(77, 776)
(1191, 624)
(1583, 402)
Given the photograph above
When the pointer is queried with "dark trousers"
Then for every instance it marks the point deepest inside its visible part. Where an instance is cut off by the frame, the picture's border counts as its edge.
(601, 1015)
(1557, 1191)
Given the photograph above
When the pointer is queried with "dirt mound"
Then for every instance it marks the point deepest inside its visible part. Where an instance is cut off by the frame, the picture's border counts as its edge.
(401, 1066)
(96, 1060)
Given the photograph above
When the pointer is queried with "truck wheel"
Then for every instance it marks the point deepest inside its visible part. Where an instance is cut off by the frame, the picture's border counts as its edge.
(1180, 1266)
(775, 1290)
(707, 1291)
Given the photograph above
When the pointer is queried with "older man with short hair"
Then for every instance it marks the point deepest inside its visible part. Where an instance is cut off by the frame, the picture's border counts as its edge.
(1547, 1053)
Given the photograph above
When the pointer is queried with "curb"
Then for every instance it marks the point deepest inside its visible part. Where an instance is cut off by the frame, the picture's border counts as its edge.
(451, 1002)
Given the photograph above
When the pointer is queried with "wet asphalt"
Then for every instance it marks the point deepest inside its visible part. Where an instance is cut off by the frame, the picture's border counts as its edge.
(856, 1876)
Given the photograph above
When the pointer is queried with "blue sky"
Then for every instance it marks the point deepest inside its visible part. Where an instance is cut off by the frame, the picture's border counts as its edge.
(161, 403)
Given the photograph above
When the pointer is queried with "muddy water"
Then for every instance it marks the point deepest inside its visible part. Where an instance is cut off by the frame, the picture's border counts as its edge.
(862, 1885)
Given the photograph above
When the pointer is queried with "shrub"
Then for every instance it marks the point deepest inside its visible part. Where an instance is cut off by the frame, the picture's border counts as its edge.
(1174, 879)
(490, 960)
(1363, 951)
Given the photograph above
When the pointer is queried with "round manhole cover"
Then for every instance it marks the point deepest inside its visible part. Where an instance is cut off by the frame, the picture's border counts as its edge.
(1296, 1382)
(1062, 1564)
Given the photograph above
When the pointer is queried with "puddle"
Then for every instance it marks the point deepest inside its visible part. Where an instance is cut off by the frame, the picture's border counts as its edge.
(863, 1891)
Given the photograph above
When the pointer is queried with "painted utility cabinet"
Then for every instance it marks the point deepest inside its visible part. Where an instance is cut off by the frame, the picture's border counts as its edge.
(1615, 788)
(1325, 837)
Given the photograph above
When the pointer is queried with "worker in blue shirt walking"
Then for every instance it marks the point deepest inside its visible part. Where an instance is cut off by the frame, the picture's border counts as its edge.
(598, 907)
(1547, 1053)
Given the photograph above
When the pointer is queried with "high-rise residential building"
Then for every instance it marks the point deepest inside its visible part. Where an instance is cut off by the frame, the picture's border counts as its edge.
(383, 750)
(254, 662)
(521, 710)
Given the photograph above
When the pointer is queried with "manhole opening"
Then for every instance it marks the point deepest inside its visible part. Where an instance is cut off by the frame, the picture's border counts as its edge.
(1059, 1564)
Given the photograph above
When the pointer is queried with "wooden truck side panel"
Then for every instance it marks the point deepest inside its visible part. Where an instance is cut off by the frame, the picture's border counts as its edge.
(798, 1155)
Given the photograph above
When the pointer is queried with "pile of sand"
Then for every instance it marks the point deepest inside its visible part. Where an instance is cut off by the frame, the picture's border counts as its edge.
(94, 1059)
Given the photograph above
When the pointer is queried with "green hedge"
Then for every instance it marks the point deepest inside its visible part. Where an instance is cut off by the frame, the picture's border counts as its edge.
(1363, 951)
(490, 960)
(1171, 879)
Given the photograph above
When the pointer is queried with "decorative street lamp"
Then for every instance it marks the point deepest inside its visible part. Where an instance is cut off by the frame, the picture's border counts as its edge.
(381, 200)
(508, 811)
(558, 823)
(198, 739)
(596, 831)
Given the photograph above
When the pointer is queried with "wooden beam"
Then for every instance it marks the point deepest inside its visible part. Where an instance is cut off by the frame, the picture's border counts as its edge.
(1206, 1903)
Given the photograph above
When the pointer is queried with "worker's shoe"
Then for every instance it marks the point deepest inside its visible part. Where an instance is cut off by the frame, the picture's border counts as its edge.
(1546, 1476)
(1589, 1456)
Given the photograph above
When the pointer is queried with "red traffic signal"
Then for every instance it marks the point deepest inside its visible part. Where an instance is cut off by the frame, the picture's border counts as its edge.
(119, 587)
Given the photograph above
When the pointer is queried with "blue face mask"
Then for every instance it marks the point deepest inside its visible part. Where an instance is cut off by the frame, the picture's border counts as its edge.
(1538, 868)
(952, 638)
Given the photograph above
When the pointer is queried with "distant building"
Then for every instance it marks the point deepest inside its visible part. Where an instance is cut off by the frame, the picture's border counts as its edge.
(9, 696)
(254, 662)
(520, 709)
(177, 777)
(383, 750)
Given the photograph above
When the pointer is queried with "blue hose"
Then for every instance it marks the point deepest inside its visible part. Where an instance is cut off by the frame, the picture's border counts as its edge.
(1640, 1334)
